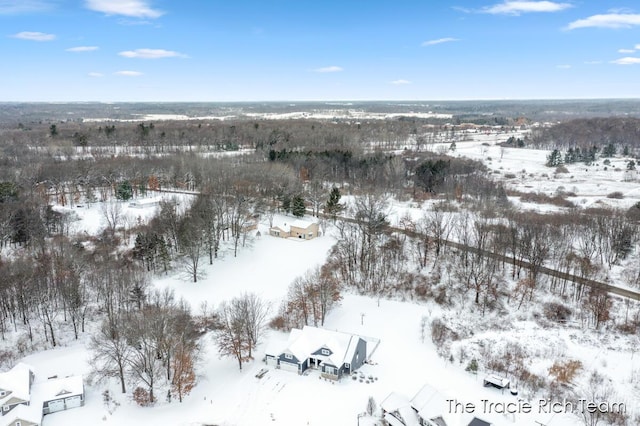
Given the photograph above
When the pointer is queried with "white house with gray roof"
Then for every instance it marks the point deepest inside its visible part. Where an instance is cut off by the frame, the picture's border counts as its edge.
(334, 353)
(23, 401)
(15, 387)
(428, 407)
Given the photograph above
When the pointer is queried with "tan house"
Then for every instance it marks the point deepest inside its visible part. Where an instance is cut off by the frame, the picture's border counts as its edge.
(301, 229)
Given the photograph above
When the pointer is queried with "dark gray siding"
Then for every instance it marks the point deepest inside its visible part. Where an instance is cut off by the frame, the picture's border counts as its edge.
(293, 360)
(360, 355)
(319, 352)
(303, 363)
(334, 368)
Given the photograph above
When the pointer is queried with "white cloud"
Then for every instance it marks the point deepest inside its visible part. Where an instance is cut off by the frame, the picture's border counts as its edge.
(15, 7)
(95, 74)
(151, 54)
(82, 49)
(439, 41)
(509, 7)
(608, 20)
(637, 46)
(400, 82)
(129, 73)
(134, 22)
(593, 62)
(626, 50)
(132, 8)
(563, 66)
(627, 60)
(34, 36)
(332, 68)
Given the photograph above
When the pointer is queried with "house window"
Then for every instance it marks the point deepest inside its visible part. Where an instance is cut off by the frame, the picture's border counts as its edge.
(329, 370)
(325, 352)
(18, 423)
(5, 408)
(347, 366)
(288, 356)
(2, 393)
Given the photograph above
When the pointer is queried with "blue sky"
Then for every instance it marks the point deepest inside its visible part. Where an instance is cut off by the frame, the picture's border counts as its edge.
(210, 50)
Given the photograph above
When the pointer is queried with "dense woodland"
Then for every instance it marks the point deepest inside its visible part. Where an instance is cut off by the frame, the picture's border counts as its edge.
(240, 171)
(623, 133)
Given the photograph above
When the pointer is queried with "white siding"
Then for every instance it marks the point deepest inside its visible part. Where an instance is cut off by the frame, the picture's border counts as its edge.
(288, 366)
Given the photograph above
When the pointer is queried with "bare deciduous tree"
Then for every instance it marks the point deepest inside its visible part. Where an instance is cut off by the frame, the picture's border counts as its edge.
(231, 336)
(111, 350)
(112, 215)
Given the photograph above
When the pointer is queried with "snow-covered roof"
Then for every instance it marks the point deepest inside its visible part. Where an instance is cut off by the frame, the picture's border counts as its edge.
(57, 388)
(429, 403)
(25, 413)
(499, 381)
(145, 202)
(297, 223)
(304, 224)
(282, 226)
(304, 342)
(393, 401)
(16, 380)
(399, 410)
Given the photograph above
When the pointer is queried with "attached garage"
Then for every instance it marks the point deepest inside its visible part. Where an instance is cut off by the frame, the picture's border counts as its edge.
(55, 405)
(60, 394)
(271, 360)
(288, 366)
(73, 402)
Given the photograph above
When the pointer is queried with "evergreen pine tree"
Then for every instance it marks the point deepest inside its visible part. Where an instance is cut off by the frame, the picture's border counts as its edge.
(609, 150)
(554, 159)
(570, 156)
(333, 206)
(124, 191)
(286, 203)
(298, 208)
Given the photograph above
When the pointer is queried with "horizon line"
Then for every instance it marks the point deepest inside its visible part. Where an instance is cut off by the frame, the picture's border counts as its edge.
(325, 101)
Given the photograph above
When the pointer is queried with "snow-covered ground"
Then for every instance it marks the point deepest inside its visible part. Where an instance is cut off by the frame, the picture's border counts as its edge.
(323, 114)
(590, 184)
(90, 218)
(403, 362)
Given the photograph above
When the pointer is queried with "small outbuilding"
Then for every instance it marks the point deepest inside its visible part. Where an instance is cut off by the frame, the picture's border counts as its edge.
(496, 381)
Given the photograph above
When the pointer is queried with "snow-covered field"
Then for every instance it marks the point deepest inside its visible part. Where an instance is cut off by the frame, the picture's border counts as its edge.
(403, 362)
(590, 184)
(324, 114)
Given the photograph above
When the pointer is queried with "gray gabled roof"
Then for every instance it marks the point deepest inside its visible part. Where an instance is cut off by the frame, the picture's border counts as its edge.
(478, 422)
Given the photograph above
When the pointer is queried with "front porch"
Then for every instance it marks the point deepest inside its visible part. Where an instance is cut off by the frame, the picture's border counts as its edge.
(330, 376)
(330, 372)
